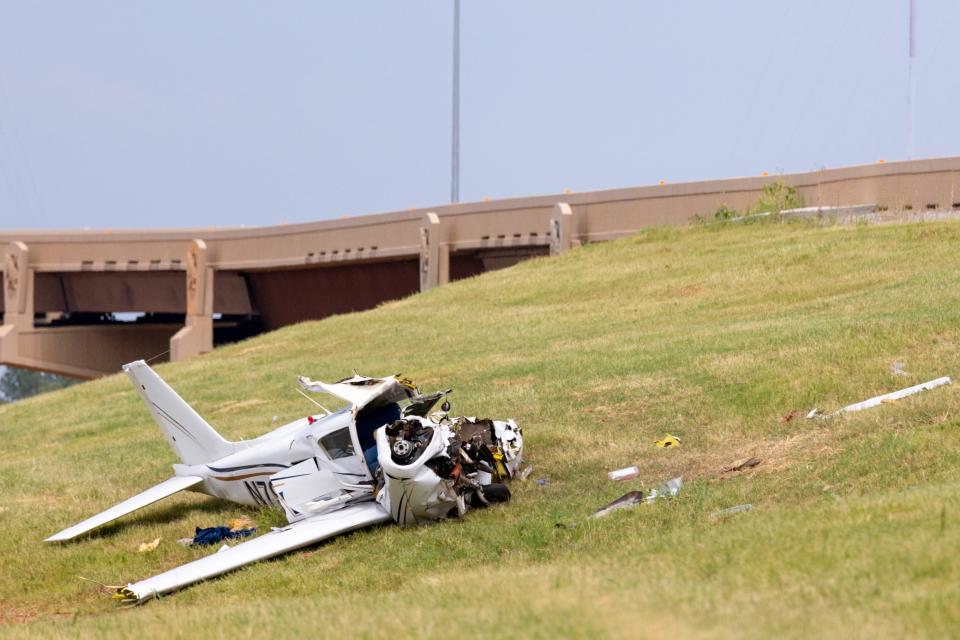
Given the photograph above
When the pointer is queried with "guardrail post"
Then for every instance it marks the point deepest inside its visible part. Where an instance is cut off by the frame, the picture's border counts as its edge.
(17, 299)
(434, 253)
(196, 336)
(561, 228)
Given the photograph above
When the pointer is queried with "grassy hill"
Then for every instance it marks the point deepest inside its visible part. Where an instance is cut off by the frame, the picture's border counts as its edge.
(709, 333)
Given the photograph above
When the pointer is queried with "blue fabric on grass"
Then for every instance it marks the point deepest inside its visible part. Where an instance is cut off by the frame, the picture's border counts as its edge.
(213, 535)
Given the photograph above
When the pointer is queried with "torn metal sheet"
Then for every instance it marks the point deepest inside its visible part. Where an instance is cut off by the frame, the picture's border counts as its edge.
(740, 465)
(626, 501)
(895, 395)
(633, 498)
(385, 458)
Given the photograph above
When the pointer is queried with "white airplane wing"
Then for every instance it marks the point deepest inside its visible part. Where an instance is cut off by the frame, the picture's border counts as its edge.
(151, 495)
(299, 534)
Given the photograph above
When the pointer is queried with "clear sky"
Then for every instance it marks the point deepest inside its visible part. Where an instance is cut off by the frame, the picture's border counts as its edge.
(151, 114)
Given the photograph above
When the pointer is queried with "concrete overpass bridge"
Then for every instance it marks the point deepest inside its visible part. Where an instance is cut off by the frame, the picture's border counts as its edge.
(192, 289)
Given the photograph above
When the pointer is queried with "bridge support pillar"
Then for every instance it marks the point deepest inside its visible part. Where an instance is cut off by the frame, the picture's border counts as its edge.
(196, 336)
(561, 228)
(434, 252)
(17, 299)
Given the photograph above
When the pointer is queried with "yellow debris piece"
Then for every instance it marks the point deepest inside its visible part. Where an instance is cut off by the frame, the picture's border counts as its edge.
(125, 595)
(668, 441)
(148, 546)
(500, 468)
(243, 522)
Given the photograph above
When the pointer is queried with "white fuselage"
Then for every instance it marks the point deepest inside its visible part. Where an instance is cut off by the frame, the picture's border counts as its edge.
(244, 476)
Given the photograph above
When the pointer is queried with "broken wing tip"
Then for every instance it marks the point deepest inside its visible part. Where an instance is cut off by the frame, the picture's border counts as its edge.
(135, 363)
(58, 537)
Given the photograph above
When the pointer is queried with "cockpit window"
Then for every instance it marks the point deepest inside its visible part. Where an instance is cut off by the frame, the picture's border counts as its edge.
(338, 444)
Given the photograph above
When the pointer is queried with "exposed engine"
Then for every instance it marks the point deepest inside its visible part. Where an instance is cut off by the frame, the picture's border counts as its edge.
(438, 467)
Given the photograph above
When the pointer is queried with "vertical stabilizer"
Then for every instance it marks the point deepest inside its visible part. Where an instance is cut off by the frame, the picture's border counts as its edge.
(191, 437)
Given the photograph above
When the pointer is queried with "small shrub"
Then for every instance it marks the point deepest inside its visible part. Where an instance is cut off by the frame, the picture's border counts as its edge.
(725, 213)
(777, 197)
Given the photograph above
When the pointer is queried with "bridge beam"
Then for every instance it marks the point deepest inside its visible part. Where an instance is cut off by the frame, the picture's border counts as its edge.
(196, 336)
(434, 252)
(561, 228)
(17, 299)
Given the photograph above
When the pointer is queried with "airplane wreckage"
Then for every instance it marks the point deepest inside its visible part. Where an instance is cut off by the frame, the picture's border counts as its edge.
(383, 458)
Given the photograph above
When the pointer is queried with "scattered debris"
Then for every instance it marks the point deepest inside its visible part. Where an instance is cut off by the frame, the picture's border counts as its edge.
(740, 508)
(633, 498)
(882, 399)
(789, 416)
(543, 481)
(526, 472)
(148, 546)
(668, 441)
(740, 465)
(185, 541)
(895, 395)
(626, 501)
(623, 474)
(668, 489)
(242, 522)
(897, 369)
(106, 588)
(213, 535)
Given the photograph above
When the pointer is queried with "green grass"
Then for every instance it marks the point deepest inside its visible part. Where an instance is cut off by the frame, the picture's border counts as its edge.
(710, 333)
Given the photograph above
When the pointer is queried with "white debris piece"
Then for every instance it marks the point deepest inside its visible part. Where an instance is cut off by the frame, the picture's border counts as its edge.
(896, 395)
(667, 490)
(623, 474)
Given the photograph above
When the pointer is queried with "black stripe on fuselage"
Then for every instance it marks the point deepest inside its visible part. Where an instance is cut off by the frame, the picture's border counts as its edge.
(255, 494)
(298, 475)
(403, 497)
(248, 466)
(254, 466)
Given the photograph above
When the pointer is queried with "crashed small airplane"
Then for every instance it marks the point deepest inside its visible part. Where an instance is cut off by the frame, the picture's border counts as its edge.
(384, 457)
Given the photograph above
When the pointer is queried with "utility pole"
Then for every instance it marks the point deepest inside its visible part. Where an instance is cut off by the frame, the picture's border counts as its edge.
(912, 96)
(455, 134)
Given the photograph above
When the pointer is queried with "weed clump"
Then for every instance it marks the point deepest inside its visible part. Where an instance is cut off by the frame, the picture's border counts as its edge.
(775, 198)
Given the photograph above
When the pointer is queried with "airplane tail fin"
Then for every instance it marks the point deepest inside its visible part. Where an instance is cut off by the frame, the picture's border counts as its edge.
(191, 437)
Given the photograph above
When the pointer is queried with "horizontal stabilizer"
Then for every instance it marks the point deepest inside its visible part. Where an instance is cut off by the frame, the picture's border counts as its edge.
(299, 534)
(151, 495)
